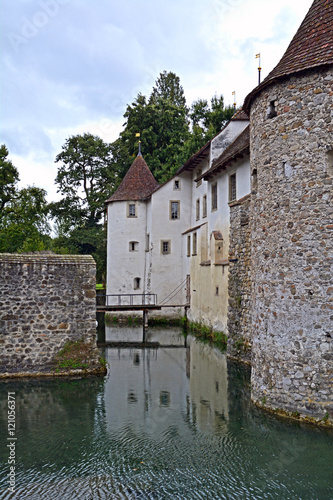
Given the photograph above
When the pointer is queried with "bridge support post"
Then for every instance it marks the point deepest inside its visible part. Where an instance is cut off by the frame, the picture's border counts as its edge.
(145, 324)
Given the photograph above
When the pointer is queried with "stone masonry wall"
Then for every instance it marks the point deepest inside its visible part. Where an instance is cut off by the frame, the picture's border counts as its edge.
(239, 284)
(291, 223)
(45, 300)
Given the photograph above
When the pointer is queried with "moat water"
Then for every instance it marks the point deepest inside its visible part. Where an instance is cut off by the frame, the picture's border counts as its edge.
(165, 423)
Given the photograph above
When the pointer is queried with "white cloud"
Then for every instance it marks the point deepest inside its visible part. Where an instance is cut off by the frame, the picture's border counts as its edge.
(82, 62)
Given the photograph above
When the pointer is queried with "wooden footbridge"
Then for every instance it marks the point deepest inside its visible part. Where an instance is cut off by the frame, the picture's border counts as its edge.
(144, 302)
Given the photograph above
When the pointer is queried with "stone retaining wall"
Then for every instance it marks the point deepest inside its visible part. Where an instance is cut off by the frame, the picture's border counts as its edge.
(239, 285)
(292, 213)
(45, 300)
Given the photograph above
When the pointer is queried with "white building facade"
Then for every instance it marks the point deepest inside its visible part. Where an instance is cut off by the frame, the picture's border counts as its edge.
(172, 240)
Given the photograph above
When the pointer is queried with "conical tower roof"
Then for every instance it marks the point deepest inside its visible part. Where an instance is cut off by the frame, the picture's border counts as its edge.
(311, 47)
(138, 183)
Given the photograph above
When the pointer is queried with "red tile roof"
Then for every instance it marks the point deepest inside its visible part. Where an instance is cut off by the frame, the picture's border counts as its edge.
(138, 183)
(311, 47)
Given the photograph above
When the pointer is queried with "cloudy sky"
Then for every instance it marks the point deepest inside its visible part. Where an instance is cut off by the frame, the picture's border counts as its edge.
(71, 66)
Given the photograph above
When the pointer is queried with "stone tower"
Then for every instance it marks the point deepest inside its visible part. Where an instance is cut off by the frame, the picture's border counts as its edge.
(291, 140)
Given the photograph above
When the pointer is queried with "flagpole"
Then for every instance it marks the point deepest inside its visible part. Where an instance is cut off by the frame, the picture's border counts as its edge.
(259, 68)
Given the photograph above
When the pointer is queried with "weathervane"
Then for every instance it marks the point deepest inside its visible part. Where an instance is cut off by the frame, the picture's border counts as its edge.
(259, 68)
(138, 135)
(234, 94)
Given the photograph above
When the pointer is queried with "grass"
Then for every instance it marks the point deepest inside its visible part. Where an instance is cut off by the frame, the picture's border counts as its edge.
(207, 334)
(100, 286)
(75, 355)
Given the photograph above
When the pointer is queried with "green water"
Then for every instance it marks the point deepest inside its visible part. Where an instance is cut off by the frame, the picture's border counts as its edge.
(173, 422)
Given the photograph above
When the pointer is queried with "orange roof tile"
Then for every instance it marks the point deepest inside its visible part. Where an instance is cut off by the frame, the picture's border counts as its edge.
(138, 183)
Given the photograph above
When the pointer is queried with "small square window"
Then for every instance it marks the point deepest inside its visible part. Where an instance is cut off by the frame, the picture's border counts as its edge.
(165, 247)
(174, 210)
(133, 246)
(137, 283)
(131, 210)
(176, 185)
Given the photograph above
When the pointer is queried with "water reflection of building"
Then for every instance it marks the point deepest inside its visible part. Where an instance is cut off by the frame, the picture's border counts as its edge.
(147, 390)
(208, 384)
(159, 390)
(167, 337)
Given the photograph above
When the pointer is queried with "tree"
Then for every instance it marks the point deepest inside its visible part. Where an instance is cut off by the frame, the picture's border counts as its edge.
(210, 119)
(162, 121)
(9, 177)
(87, 176)
(168, 88)
(24, 225)
(84, 178)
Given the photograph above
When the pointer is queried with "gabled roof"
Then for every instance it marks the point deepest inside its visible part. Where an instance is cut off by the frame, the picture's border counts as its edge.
(311, 47)
(195, 159)
(138, 183)
(237, 149)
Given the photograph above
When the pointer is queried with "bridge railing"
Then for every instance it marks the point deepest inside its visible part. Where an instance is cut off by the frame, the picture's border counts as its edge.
(127, 299)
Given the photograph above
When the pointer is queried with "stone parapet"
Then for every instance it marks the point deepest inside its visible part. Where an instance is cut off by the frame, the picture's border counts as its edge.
(45, 300)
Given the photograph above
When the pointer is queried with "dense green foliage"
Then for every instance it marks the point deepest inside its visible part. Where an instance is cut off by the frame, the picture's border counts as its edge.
(24, 223)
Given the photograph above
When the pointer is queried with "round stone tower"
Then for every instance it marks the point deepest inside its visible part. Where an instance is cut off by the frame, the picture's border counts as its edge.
(291, 115)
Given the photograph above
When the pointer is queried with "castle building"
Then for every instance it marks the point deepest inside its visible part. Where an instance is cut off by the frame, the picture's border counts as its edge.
(243, 229)
(291, 115)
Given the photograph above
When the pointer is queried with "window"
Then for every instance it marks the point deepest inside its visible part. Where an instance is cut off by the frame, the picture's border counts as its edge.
(188, 245)
(137, 283)
(133, 246)
(194, 244)
(204, 206)
(174, 209)
(214, 196)
(131, 210)
(199, 172)
(216, 290)
(176, 185)
(271, 112)
(165, 247)
(147, 242)
(197, 209)
(254, 179)
(232, 187)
